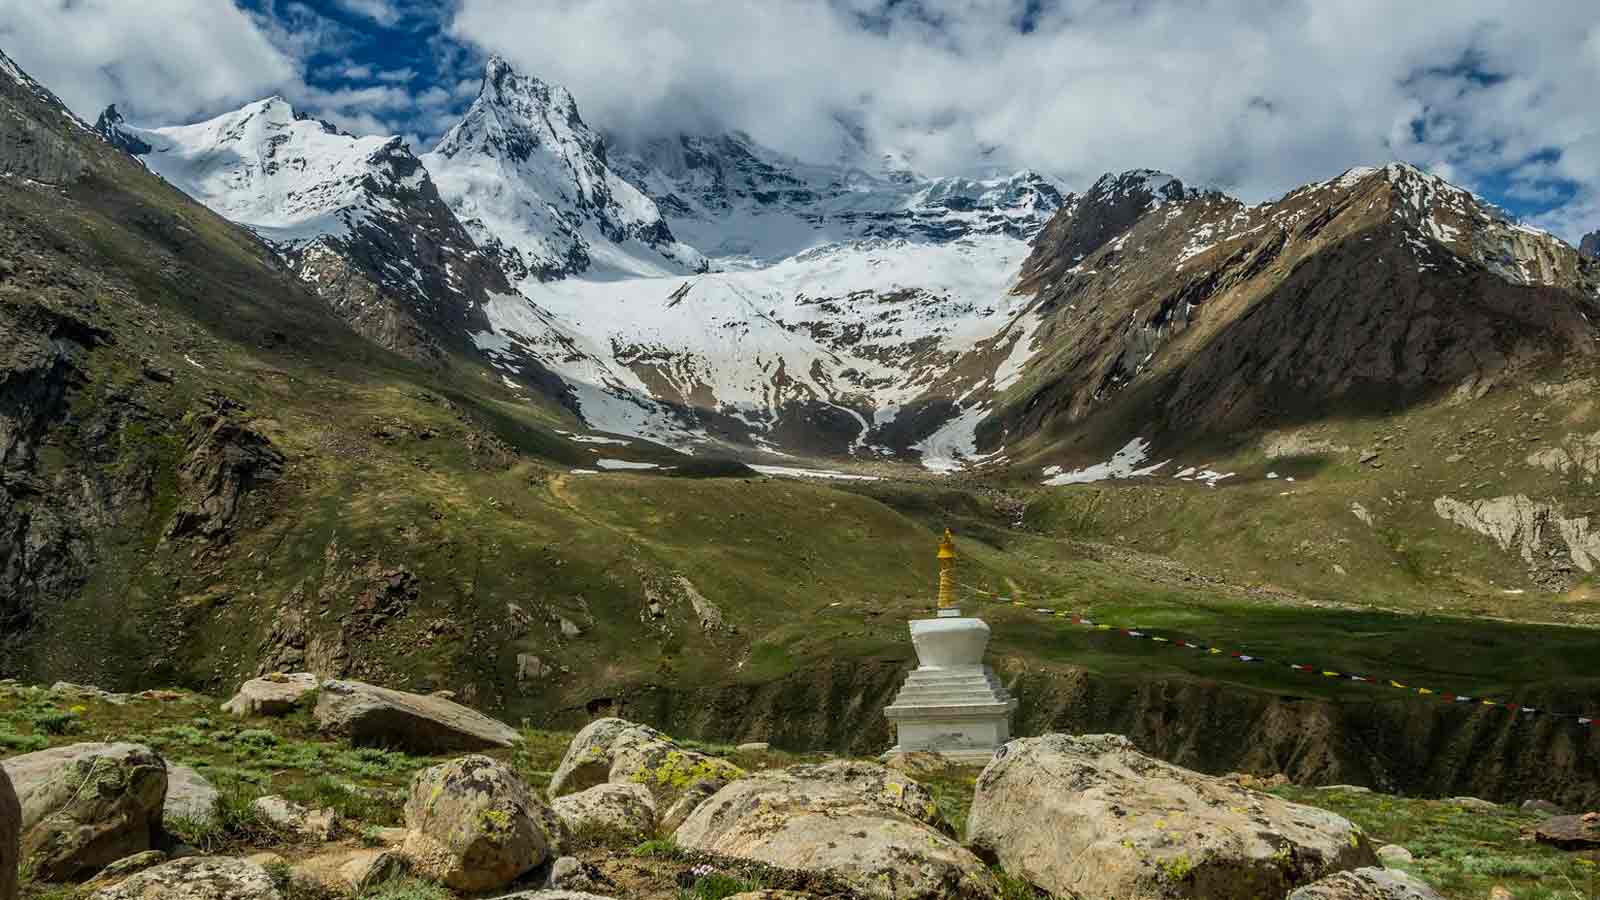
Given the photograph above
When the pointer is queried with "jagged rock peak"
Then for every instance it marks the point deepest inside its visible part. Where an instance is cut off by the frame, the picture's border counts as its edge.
(1590, 245)
(1155, 186)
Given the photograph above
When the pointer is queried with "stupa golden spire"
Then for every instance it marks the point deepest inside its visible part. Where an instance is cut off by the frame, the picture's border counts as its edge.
(947, 572)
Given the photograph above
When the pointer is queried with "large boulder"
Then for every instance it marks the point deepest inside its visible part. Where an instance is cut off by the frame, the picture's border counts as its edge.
(616, 751)
(85, 806)
(474, 825)
(1570, 832)
(1092, 816)
(606, 810)
(196, 878)
(10, 837)
(271, 695)
(190, 798)
(863, 823)
(372, 715)
(1367, 884)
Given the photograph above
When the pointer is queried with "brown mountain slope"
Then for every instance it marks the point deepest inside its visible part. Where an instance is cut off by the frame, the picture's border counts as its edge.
(1205, 318)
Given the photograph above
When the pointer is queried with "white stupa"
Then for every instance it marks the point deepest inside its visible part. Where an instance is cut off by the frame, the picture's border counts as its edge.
(952, 704)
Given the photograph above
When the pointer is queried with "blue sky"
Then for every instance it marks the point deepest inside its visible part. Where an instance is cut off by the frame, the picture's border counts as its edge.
(1254, 96)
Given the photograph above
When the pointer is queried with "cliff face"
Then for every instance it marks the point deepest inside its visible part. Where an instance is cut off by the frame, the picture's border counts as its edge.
(1413, 747)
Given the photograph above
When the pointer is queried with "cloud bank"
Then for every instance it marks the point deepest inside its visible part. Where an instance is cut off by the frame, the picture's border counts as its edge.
(1255, 96)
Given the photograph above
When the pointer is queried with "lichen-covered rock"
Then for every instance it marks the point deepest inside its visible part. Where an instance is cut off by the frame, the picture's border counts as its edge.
(618, 751)
(474, 825)
(276, 694)
(377, 716)
(1367, 884)
(85, 806)
(196, 878)
(863, 823)
(617, 809)
(128, 865)
(687, 803)
(10, 837)
(1092, 816)
(190, 798)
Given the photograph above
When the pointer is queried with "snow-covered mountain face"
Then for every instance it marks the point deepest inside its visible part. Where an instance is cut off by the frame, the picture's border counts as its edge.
(709, 290)
(748, 206)
(358, 218)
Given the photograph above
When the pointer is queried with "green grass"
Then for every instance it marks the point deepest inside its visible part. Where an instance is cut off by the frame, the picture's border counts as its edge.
(1460, 851)
(718, 886)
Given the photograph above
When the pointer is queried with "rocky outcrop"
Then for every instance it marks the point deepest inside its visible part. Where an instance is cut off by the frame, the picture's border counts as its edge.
(618, 751)
(1530, 528)
(608, 809)
(1092, 816)
(474, 825)
(376, 716)
(1590, 245)
(1367, 884)
(196, 878)
(1578, 454)
(85, 806)
(866, 824)
(275, 694)
(10, 837)
(226, 459)
(190, 798)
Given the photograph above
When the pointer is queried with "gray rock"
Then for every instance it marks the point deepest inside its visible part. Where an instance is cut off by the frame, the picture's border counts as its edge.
(474, 825)
(128, 865)
(1045, 805)
(1367, 884)
(347, 871)
(562, 871)
(190, 797)
(1570, 832)
(196, 878)
(1475, 804)
(1393, 855)
(271, 695)
(1542, 807)
(754, 747)
(10, 837)
(864, 823)
(618, 751)
(316, 824)
(687, 803)
(622, 809)
(85, 806)
(372, 715)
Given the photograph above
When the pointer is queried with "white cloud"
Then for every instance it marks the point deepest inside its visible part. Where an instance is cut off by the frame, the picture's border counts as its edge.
(1254, 95)
(385, 12)
(164, 58)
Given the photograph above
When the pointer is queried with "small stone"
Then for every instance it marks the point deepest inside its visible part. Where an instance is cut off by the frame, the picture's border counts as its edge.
(317, 824)
(753, 747)
(570, 628)
(1543, 808)
(1473, 803)
(1394, 855)
(1500, 892)
(1347, 788)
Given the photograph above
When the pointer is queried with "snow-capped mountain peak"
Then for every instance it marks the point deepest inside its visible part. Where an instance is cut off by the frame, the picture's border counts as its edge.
(531, 182)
